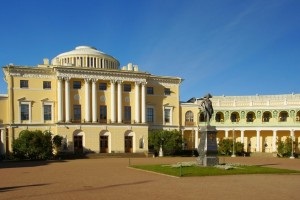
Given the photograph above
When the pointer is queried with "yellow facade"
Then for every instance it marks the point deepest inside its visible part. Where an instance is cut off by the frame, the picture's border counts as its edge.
(98, 106)
(85, 97)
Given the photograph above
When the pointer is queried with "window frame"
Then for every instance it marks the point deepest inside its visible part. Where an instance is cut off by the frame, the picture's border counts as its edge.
(27, 114)
(24, 84)
(77, 116)
(167, 91)
(103, 113)
(150, 116)
(127, 87)
(102, 86)
(127, 113)
(150, 90)
(76, 86)
(46, 85)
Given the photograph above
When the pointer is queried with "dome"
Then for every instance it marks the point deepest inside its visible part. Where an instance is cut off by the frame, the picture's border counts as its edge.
(86, 56)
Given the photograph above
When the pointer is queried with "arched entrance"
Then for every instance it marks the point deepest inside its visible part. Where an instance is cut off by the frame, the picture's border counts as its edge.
(78, 140)
(104, 141)
(129, 144)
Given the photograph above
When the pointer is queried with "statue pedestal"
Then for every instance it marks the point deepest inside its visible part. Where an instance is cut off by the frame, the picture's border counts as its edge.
(208, 148)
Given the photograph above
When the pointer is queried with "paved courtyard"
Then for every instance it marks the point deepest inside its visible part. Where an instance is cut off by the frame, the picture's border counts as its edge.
(111, 178)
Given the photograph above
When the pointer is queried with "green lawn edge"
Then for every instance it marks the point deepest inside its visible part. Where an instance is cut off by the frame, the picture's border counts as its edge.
(196, 170)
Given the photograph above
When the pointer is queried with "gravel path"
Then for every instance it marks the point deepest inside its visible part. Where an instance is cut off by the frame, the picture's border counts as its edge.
(111, 178)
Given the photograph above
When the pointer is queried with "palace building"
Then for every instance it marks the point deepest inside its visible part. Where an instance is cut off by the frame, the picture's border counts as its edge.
(97, 106)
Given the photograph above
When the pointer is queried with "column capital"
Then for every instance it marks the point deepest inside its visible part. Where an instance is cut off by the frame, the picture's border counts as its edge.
(94, 80)
(144, 83)
(60, 78)
(87, 80)
(67, 78)
(119, 81)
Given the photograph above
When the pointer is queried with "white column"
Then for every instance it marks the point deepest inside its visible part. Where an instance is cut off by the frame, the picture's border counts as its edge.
(196, 138)
(143, 103)
(258, 141)
(274, 141)
(137, 102)
(87, 100)
(226, 134)
(59, 100)
(242, 136)
(119, 101)
(67, 99)
(113, 101)
(94, 100)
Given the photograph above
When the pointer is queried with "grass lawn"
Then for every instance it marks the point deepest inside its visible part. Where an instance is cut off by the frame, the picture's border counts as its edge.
(195, 170)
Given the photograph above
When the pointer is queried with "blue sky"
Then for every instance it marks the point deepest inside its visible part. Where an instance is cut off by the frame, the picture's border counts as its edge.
(225, 47)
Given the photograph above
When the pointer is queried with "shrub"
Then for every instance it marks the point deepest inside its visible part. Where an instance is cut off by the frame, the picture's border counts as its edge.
(33, 145)
(171, 141)
(225, 147)
(284, 148)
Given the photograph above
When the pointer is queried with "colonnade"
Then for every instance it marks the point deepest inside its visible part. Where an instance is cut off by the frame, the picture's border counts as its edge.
(241, 136)
(88, 61)
(139, 103)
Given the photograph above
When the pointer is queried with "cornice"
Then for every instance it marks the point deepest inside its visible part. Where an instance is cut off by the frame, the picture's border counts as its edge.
(100, 74)
(29, 72)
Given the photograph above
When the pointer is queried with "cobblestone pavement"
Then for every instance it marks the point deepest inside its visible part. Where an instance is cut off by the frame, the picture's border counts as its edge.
(111, 178)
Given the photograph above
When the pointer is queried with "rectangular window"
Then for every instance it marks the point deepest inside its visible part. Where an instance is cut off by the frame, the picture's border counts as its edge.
(102, 86)
(167, 91)
(77, 112)
(47, 112)
(150, 115)
(76, 84)
(127, 113)
(127, 87)
(24, 112)
(46, 84)
(167, 115)
(150, 90)
(103, 113)
(23, 83)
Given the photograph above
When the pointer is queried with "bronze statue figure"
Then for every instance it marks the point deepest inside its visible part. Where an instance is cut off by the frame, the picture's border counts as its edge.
(207, 107)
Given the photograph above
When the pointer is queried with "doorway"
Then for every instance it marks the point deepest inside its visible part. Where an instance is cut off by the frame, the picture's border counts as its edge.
(103, 144)
(78, 147)
(128, 144)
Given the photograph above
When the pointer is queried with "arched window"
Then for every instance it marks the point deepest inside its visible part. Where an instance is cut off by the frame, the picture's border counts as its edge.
(189, 116)
(235, 117)
(201, 117)
(250, 117)
(298, 116)
(266, 116)
(219, 117)
(283, 115)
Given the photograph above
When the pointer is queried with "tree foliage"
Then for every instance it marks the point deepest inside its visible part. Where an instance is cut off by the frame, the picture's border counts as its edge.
(225, 147)
(171, 141)
(284, 148)
(33, 145)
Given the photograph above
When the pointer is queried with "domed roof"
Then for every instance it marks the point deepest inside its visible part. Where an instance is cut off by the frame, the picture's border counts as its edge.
(82, 50)
(66, 58)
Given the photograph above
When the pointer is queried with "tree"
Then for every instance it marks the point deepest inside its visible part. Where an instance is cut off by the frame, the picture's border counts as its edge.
(225, 147)
(170, 141)
(284, 148)
(33, 145)
(57, 143)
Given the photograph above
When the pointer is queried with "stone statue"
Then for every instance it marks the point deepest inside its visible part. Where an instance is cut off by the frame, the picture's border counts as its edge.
(207, 107)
